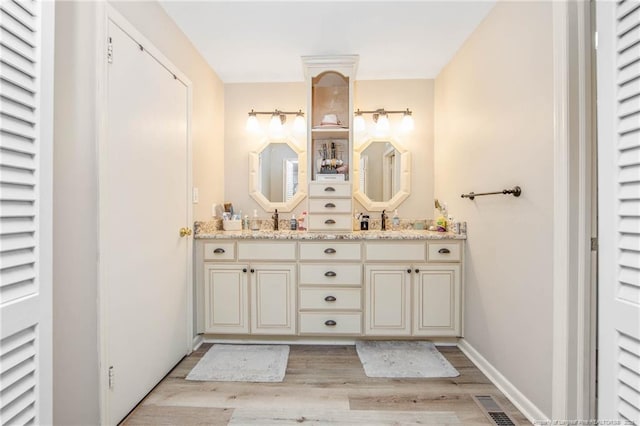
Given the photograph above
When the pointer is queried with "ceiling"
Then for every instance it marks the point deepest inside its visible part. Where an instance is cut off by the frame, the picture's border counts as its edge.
(262, 41)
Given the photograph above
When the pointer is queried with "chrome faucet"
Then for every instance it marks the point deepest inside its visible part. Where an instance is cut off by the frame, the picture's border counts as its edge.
(275, 220)
(383, 223)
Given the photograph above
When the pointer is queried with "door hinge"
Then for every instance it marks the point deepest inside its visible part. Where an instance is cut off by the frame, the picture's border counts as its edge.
(111, 377)
(110, 51)
(594, 244)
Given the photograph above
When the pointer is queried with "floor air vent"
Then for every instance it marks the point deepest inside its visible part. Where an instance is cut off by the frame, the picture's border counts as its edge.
(493, 410)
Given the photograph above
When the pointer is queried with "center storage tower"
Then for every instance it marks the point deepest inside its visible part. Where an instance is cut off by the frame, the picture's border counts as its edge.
(329, 81)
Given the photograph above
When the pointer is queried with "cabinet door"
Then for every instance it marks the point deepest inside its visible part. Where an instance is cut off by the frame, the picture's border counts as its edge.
(226, 305)
(273, 304)
(387, 300)
(436, 301)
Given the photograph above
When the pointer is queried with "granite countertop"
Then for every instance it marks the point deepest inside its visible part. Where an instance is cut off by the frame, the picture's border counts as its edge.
(354, 235)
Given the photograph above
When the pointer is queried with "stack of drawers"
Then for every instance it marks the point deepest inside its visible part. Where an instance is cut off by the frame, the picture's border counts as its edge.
(330, 288)
(330, 206)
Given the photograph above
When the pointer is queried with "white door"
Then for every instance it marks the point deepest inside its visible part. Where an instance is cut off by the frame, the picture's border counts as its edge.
(26, 164)
(143, 204)
(619, 210)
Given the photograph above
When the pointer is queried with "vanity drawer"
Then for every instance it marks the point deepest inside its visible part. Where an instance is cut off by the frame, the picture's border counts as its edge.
(330, 222)
(340, 205)
(220, 251)
(330, 189)
(331, 274)
(443, 252)
(330, 323)
(409, 251)
(272, 250)
(330, 298)
(330, 251)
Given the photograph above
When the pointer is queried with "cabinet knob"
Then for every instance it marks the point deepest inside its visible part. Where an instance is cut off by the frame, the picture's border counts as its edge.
(219, 251)
(252, 270)
(184, 232)
(329, 274)
(417, 271)
(330, 323)
(329, 205)
(329, 222)
(330, 251)
(244, 269)
(330, 189)
(330, 298)
(409, 271)
(444, 251)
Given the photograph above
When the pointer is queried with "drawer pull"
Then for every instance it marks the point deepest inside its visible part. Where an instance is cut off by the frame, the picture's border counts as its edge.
(253, 270)
(219, 251)
(417, 271)
(330, 298)
(329, 222)
(330, 189)
(329, 205)
(329, 274)
(444, 251)
(244, 269)
(330, 251)
(330, 323)
(409, 271)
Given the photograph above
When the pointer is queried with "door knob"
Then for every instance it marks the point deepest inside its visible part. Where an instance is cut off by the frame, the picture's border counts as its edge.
(185, 232)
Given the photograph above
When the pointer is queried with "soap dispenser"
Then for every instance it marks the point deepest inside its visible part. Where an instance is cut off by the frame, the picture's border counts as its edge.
(396, 219)
(255, 222)
(293, 223)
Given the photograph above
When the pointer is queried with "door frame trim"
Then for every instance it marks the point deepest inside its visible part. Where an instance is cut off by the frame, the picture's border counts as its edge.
(105, 13)
(574, 314)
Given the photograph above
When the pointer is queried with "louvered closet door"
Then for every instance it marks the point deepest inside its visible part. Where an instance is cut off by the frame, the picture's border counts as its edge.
(618, 25)
(26, 74)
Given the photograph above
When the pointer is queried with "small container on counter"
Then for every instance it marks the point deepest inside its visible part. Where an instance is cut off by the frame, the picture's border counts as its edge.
(364, 222)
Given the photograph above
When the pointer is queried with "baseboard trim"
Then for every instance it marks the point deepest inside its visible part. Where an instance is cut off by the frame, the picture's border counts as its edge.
(197, 341)
(308, 340)
(517, 398)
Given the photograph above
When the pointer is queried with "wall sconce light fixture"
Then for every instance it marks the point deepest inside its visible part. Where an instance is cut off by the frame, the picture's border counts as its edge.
(381, 119)
(276, 124)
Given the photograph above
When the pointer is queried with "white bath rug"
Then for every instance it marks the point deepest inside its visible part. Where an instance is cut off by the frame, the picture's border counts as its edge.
(403, 359)
(242, 363)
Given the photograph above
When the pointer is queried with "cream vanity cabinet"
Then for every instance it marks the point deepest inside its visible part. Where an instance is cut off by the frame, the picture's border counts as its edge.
(250, 287)
(413, 288)
(330, 288)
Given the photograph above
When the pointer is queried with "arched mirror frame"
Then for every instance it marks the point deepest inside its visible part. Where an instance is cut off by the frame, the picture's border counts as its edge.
(254, 177)
(405, 176)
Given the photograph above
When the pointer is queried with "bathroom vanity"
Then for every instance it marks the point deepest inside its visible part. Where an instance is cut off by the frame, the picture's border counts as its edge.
(362, 283)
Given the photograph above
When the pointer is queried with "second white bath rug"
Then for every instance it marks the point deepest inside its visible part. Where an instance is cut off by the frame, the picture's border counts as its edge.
(403, 359)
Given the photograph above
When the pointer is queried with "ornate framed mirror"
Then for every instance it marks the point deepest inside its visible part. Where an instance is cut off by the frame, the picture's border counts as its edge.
(381, 174)
(278, 175)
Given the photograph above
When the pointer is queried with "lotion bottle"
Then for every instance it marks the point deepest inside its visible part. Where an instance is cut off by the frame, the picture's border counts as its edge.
(396, 219)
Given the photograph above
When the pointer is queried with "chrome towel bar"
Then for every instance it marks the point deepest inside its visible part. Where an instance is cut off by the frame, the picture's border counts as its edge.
(515, 191)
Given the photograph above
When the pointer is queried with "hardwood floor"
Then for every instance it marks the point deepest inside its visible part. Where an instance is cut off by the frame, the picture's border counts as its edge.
(323, 385)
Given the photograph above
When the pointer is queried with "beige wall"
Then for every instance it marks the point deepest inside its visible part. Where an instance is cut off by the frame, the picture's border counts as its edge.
(240, 98)
(75, 318)
(416, 95)
(494, 129)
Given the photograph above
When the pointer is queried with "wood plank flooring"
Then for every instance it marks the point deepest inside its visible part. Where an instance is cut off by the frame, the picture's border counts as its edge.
(323, 385)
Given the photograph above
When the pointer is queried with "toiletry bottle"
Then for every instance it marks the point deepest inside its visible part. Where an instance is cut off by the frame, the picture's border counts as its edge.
(302, 226)
(293, 222)
(396, 219)
(276, 220)
(255, 222)
(245, 222)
